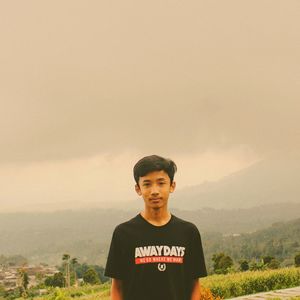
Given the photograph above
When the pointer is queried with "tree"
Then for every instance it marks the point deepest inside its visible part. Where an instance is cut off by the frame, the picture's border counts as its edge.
(244, 265)
(74, 262)
(80, 269)
(91, 276)
(267, 259)
(66, 261)
(222, 263)
(274, 264)
(23, 281)
(270, 262)
(57, 279)
(297, 260)
(24, 278)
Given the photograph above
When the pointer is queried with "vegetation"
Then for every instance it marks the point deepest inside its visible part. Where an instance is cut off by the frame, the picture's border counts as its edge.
(57, 280)
(214, 287)
(90, 292)
(244, 265)
(278, 242)
(250, 282)
(257, 256)
(24, 281)
(78, 270)
(222, 263)
(91, 276)
(44, 235)
(297, 260)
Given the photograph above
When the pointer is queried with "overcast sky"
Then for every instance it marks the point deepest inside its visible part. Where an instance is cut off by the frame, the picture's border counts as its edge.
(89, 87)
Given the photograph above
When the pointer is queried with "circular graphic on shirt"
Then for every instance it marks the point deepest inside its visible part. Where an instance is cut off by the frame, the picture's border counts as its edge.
(162, 267)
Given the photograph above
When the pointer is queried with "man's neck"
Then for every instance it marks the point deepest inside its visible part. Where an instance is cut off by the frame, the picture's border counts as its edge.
(157, 217)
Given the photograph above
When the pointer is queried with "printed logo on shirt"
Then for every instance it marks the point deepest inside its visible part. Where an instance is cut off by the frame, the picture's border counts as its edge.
(162, 267)
(159, 254)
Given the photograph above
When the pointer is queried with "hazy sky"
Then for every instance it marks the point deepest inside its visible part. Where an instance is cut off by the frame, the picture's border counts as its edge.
(89, 87)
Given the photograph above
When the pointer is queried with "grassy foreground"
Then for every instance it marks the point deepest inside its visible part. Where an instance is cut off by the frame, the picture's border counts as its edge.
(90, 292)
(215, 287)
(250, 282)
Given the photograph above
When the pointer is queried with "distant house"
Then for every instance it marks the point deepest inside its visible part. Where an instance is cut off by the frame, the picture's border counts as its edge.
(9, 276)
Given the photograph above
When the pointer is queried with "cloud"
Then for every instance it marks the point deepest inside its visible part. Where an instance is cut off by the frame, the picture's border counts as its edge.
(101, 181)
(104, 78)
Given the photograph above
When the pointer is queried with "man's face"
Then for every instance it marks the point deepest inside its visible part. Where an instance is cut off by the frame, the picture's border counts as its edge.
(155, 188)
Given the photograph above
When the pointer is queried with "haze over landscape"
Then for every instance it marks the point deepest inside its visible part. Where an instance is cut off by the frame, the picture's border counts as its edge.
(89, 88)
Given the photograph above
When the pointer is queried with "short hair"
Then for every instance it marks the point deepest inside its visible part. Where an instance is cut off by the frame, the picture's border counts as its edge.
(153, 163)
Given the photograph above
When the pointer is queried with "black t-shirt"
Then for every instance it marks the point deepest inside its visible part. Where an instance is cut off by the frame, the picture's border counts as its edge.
(156, 262)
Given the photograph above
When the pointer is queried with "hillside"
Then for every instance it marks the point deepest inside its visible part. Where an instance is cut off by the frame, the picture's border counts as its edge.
(44, 237)
(270, 181)
(281, 240)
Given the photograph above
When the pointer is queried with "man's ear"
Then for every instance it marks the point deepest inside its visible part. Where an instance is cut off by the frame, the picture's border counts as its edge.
(172, 187)
(138, 190)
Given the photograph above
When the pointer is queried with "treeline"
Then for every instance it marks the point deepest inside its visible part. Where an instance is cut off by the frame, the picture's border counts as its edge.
(87, 234)
(280, 241)
(71, 272)
(223, 263)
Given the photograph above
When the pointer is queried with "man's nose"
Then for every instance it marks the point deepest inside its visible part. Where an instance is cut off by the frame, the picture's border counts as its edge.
(154, 190)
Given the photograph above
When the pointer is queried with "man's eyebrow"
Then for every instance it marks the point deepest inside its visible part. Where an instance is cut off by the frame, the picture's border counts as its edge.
(146, 180)
(161, 179)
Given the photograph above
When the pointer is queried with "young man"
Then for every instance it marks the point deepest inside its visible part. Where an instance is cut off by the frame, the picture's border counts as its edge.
(155, 255)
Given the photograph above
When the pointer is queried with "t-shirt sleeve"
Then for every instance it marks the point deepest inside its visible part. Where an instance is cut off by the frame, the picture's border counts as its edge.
(197, 262)
(114, 265)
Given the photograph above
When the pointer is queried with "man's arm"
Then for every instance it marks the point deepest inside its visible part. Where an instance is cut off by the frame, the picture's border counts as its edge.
(195, 294)
(116, 292)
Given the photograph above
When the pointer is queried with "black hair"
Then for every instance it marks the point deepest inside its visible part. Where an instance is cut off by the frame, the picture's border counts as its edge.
(154, 163)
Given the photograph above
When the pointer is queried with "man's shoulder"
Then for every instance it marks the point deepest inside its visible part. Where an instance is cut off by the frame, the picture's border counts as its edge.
(184, 224)
(131, 223)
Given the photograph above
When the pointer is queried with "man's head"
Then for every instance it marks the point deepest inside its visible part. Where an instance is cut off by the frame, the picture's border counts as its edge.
(154, 180)
(152, 163)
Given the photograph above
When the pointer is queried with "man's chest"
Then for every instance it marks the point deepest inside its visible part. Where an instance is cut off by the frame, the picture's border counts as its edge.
(156, 252)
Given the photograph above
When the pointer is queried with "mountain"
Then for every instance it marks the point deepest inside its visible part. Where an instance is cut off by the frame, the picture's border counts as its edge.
(270, 181)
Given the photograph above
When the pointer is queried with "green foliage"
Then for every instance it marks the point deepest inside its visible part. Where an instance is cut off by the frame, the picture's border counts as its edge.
(267, 259)
(24, 278)
(249, 282)
(80, 269)
(59, 294)
(256, 266)
(222, 263)
(57, 280)
(297, 260)
(13, 294)
(244, 265)
(66, 263)
(86, 292)
(273, 264)
(279, 241)
(91, 277)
